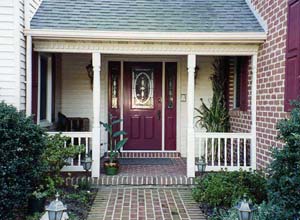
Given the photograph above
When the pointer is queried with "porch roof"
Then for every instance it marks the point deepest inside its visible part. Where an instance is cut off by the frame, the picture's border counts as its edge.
(147, 16)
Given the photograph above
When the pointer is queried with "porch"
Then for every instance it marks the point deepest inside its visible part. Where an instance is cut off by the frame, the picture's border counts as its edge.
(80, 97)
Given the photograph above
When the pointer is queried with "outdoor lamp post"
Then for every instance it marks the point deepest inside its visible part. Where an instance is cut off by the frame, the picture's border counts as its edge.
(245, 210)
(87, 164)
(201, 165)
(56, 209)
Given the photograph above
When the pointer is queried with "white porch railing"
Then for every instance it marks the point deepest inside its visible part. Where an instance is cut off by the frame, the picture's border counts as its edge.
(230, 151)
(76, 138)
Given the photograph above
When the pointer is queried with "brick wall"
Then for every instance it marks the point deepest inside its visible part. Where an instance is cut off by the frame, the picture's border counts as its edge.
(270, 82)
(240, 121)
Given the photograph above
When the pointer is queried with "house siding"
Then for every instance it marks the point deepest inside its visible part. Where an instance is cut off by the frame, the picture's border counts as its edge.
(9, 74)
(12, 51)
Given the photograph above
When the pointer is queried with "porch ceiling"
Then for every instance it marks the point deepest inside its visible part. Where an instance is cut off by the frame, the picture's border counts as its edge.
(192, 16)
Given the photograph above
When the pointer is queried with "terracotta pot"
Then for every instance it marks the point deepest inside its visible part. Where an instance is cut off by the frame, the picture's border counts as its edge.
(111, 168)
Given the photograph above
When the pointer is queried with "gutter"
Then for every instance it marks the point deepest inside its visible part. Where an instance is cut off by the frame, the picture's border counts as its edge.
(179, 37)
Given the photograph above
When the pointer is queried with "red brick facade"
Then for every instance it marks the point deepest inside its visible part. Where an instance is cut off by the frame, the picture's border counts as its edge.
(270, 82)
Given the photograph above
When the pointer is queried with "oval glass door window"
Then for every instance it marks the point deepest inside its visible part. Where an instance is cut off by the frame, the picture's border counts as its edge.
(142, 88)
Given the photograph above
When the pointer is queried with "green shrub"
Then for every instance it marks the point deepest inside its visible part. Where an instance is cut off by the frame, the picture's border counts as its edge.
(21, 148)
(284, 173)
(54, 158)
(224, 189)
(265, 211)
(56, 155)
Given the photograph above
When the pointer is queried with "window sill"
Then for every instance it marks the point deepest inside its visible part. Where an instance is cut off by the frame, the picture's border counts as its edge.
(45, 124)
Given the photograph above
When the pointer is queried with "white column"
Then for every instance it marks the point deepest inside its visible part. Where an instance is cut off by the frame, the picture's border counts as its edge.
(96, 112)
(28, 75)
(49, 89)
(253, 111)
(190, 116)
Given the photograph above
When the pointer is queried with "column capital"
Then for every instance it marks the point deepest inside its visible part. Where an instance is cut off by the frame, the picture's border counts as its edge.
(191, 62)
(96, 60)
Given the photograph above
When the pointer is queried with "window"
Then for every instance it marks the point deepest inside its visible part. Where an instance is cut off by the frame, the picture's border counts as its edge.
(237, 85)
(45, 90)
(292, 75)
(241, 83)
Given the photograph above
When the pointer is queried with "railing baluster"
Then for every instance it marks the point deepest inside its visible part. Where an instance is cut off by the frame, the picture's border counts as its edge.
(238, 152)
(225, 152)
(86, 145)
(245, 152)
(79, 155)
(206, 150)
(213, 151)
(72, 143)
(219, 152)
(231, 154)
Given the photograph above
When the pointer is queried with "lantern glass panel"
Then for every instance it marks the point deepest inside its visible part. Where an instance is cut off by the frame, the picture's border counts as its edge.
(55, 215)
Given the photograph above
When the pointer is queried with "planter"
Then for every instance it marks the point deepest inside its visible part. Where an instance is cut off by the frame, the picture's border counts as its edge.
(36, 205)
(111, 168)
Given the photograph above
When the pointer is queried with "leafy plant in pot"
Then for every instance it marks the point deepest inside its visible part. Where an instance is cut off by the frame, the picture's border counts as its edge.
(111, 166)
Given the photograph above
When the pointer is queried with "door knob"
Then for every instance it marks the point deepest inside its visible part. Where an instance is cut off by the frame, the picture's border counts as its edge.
(158, 114)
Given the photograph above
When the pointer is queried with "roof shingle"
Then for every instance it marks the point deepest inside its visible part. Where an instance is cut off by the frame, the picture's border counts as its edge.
(147, 15)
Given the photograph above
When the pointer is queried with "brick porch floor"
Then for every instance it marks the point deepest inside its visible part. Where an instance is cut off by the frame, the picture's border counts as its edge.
(178, 168)
(144, 203)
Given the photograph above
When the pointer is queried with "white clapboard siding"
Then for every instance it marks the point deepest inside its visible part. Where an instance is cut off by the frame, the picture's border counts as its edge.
(13, 51)
(8, 50)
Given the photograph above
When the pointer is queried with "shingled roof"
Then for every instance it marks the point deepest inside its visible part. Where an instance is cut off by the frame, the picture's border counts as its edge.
(147, 16)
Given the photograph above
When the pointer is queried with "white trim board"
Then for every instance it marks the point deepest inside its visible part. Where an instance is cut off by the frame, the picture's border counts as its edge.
(143, 48)
(249, 37)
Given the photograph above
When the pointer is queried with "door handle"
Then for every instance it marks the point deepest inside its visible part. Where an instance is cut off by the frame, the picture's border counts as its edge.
(159, 114)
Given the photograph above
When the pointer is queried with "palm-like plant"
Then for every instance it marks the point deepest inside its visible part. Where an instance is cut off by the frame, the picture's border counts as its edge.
(215, 118)
(115, 143)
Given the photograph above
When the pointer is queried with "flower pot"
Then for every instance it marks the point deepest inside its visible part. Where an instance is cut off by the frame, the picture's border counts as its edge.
(111, 168)
(36, 205)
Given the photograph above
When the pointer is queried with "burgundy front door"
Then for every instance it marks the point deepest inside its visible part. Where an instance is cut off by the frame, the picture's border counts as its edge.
(143, 105)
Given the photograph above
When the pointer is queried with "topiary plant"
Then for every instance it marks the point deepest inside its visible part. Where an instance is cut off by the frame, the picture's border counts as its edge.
(21, 148)
(284, 172)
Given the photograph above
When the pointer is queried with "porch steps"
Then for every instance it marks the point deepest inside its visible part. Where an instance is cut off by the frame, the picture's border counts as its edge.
(150, 155)
(133, 181)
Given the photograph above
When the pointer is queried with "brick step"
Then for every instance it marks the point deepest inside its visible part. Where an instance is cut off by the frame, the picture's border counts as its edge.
(150, 154)
(133, 181)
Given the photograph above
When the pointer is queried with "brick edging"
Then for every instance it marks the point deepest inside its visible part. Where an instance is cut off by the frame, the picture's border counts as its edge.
(133, 180)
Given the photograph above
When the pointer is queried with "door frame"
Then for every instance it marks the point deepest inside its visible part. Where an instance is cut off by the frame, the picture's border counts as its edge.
(147, 59)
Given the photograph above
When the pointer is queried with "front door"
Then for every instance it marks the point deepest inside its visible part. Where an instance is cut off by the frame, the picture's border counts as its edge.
(143, 105)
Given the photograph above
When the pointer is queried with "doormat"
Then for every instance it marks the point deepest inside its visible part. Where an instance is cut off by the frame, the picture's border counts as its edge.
(145, 161)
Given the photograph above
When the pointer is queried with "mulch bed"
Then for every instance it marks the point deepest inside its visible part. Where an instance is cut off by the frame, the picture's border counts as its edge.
(78, 201)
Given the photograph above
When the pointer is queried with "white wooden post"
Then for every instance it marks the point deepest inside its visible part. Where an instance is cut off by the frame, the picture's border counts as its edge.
(96, 112)
(253, 111)
(190, 116)
(28, 76)
(49, 89)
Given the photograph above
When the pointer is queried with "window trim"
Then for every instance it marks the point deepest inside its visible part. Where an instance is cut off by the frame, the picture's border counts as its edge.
(48, 121)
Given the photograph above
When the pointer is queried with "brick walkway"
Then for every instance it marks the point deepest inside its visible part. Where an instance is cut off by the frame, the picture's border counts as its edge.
(144, 203)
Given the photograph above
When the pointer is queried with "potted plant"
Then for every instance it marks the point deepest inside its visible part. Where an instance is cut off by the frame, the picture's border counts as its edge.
(111, 166)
